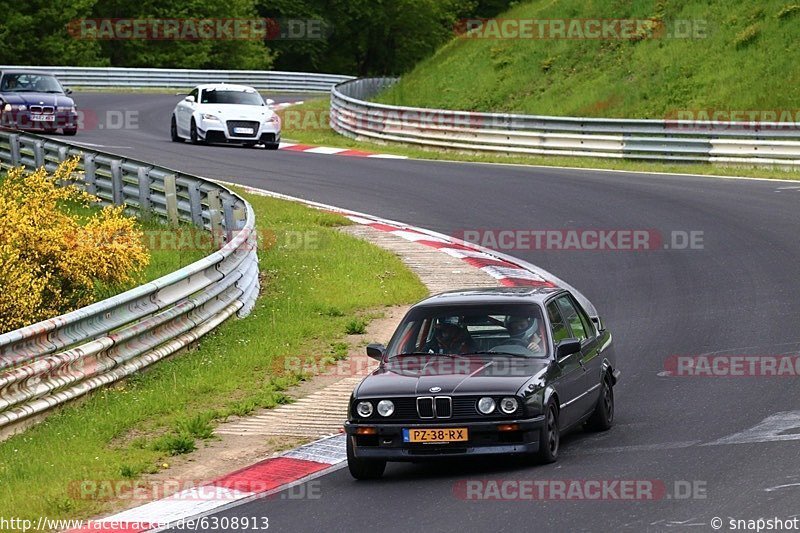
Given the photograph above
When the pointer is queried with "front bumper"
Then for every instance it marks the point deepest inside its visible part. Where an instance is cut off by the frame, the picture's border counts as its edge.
(22, 120)
(484, 439)
(218, 132)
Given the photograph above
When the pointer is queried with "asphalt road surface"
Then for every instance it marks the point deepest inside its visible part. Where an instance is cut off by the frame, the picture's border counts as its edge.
(737, 294)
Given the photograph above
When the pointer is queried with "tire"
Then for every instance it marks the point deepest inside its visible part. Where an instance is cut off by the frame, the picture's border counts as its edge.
(603, 416)
(271, 146)
(69, 132)
(248, 145)
(173, 131)
(193, 134)
(363, 468)
(549, 436)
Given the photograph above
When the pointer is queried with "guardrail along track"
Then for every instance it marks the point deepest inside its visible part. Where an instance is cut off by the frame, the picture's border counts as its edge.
(59, 359)
(267, 80)
(354, 116)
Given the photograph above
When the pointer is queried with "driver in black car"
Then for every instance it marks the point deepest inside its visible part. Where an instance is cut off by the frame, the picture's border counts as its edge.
(526, 330)
(450, 338)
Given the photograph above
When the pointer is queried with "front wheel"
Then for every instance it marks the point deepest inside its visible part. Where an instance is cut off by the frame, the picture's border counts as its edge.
(549, 436)
(363, 468)
(603, 416)
(69, 132)
(173, 131)
(272, 146)
(193, 133)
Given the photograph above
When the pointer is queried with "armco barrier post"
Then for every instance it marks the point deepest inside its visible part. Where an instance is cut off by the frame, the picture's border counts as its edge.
(116, 182)
(89, 175)
(145, 183)
(230, 221)
(196, 203)
(171, 195)
(38, 153)
(215, 213)
(13, 142)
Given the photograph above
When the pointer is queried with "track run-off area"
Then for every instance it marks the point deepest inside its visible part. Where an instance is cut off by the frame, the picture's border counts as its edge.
(720, 446)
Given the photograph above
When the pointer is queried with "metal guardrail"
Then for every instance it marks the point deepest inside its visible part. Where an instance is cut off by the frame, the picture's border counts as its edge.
(269, 80)
(56, 360)
(763, 143)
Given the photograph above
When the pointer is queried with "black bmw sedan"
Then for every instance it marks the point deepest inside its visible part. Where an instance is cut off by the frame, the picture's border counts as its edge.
(480, 372)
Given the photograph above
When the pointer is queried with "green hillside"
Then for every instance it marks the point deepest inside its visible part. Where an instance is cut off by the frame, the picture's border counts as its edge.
(743, 56)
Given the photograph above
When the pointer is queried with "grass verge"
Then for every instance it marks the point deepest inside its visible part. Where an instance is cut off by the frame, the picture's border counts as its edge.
(312, 288)
(707, 54)
(307, 123)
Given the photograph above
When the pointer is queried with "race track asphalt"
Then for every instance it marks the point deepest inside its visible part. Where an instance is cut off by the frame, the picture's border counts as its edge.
(739, 294)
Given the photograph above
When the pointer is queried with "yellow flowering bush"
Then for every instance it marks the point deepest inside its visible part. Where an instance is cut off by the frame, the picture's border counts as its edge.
(50, 259)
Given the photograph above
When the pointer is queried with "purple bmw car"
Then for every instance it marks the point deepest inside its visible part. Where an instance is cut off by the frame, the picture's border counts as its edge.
(36, 101)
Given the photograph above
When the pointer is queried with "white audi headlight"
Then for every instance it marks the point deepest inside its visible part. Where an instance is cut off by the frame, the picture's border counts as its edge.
(364, 409)
(210, 118)
(486, 405)
(508, 405)
(385, 408)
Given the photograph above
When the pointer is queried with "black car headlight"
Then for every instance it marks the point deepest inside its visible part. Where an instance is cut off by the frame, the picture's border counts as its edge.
(364, 409)
(509, 405)
(385, 407)
(486, 405)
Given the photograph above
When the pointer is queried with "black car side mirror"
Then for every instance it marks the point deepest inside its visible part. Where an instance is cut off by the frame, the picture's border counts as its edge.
(67, 91)
(376, 351)
(567, 347)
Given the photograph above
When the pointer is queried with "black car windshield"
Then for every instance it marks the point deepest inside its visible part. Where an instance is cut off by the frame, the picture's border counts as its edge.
(516, 330)
(30, 83)
(215, 96)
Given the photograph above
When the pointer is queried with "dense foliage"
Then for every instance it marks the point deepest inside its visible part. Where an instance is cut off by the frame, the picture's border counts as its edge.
(51, 258)
(360, 37)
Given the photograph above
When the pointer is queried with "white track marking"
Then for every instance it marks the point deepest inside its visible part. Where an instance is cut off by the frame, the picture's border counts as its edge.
(784, 426)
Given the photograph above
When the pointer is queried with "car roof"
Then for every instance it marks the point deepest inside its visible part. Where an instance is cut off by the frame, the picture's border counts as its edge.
(491, 295)
(227, 86)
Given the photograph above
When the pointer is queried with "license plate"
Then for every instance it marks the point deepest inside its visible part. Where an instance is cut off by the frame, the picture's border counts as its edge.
(436, 435)
(43, 118)
(248, 131)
